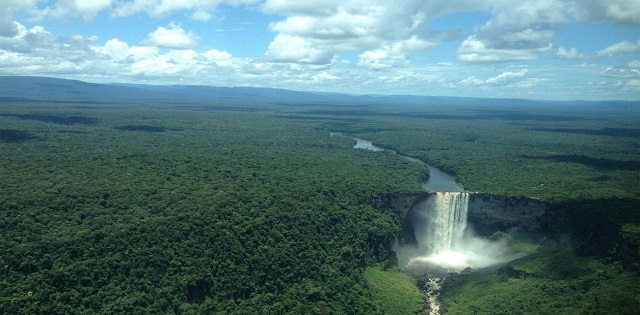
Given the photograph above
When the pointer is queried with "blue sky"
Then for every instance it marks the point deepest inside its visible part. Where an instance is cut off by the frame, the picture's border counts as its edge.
(537, 49)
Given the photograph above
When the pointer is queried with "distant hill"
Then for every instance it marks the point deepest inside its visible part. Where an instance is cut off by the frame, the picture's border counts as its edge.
(41, 87)
(12, 87)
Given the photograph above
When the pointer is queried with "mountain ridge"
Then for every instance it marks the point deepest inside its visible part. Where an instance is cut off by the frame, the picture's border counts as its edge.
(56, 88)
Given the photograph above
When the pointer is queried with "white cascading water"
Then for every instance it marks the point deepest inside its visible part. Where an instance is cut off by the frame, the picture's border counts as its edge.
(448, 221)
(439, 224)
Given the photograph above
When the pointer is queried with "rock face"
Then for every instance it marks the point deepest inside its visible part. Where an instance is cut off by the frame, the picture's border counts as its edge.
(488, 212)
(396, 204)
(399, 206)
(484, 210)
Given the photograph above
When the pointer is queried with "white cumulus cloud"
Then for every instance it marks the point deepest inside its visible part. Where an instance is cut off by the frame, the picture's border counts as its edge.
(571, 53)
(624, 47)
(220, 58)
(379, 59)
(160, 8)
(472, 80)
(392, 55)
(618, 11)
(505, 76)
(324, 76)
(173, 37)
(369, 27)
(473, 49)
(8, 8)
(516, 31)
(202, 15)
(626, 11)
(36, 51)
(114, 48)
(288, 48)
(83, 8)
(635, 83)
(330, 44)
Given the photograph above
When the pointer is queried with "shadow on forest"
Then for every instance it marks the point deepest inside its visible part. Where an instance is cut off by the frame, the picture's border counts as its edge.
(14, 136)
(77, 132)
(515, 116)
(145, 128)
(221, 108)
(316, 118)
(597, 224)
(612, 132)
(560, 265)
(599, 163)
(15, 99)
(479, 116)
(60, 120)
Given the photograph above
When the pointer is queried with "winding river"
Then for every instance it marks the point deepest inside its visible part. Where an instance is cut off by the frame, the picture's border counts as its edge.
(438, 181)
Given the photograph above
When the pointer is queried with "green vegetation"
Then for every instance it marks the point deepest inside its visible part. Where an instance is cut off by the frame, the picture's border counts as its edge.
(516, 244)
(221, 212)
(393, 291)
(554, 282)
(511, 151)
(150, 207)
(583, 161)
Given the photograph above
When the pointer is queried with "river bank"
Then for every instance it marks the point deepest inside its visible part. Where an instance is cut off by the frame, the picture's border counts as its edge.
(465, 251)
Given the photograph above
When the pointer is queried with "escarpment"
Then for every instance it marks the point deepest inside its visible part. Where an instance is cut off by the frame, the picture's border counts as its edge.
(486, 212)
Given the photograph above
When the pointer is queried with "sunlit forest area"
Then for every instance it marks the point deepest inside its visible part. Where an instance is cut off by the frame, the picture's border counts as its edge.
(194, 207)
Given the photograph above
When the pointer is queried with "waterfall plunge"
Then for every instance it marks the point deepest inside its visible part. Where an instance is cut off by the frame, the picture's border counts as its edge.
(439, 224)
(447, 222)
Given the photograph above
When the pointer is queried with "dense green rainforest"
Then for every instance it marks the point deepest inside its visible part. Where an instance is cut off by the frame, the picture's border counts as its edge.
(141, 207)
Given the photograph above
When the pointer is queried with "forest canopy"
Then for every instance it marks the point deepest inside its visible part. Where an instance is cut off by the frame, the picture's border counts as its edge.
(186, 208)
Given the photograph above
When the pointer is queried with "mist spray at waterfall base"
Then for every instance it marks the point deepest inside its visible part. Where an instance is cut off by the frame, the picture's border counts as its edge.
(445, 243)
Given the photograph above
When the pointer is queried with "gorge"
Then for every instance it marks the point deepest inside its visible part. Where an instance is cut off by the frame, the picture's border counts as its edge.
(435, 242)
(446, 229)
(449, 230)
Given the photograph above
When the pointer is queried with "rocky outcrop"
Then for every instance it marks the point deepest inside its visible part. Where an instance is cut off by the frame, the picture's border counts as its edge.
(399, 206)
(487, 212)
(396, 204)
(484, 209)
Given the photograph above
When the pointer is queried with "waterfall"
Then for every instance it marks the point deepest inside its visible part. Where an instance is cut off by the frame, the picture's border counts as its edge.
(447, 222)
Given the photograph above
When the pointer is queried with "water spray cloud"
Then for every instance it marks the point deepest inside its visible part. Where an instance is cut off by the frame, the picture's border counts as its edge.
(444, 242)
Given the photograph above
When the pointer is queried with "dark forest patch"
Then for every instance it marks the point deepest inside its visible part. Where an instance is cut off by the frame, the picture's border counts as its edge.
(507, 116)
(326, 105)
(611, 132)
(316, 118)
(60, 120)
(14, 99)
(312, 118)
(94, 107)
(222, 108)
(526, 116)
(77, 132)
(599, 163)
(372, 113)
(14, 136)
(145, 128)
(511, 115)
(17, 99)
(371, 130)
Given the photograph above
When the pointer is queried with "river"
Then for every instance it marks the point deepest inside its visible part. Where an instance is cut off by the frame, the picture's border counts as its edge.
(438, 181)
